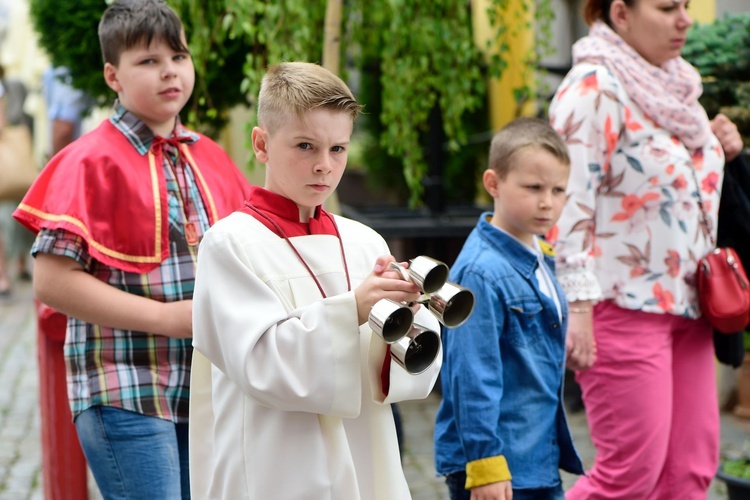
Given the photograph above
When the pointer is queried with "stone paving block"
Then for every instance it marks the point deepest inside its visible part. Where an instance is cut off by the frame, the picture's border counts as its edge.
(26, 477)
(8, 453)
(16, 429)
(15, 493)
(418, 418)
(19, 485)
(29, 447)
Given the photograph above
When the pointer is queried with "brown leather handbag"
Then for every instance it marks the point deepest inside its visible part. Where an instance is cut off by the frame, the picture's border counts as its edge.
(17, 168)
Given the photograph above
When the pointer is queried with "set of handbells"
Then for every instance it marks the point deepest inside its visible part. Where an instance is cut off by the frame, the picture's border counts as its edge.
(414, 346)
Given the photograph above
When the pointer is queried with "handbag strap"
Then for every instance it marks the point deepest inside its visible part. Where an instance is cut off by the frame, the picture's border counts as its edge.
(705, 221)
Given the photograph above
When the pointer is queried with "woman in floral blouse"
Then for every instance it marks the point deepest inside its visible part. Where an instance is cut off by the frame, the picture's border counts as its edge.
(628, 241)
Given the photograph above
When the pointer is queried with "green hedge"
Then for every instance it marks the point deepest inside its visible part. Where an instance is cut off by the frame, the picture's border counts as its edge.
(68, 33)
(721, 53)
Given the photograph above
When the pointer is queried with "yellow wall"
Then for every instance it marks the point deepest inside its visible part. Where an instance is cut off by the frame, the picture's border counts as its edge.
(502, 105)
(703, 11)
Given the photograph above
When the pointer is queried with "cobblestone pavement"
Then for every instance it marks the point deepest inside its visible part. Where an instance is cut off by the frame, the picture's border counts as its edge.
(20, 454)
(20, 448)
(418, 419)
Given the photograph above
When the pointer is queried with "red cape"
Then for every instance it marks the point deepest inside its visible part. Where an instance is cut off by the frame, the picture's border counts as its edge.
(100, 188)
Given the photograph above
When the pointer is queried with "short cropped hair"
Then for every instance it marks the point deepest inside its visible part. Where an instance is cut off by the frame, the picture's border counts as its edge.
(128, 23)
(524, 133)
(294, 88)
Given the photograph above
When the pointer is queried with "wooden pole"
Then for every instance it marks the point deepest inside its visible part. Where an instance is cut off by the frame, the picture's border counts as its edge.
(332, 36)
(331, 61)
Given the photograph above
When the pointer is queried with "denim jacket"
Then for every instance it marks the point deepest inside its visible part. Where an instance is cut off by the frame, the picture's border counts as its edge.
(502, 414)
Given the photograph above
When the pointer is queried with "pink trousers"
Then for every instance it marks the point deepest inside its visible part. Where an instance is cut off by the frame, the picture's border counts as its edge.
(652, 407)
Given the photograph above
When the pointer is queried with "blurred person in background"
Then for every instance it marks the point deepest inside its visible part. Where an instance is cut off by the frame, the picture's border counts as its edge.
(15, 241)
(66, 107)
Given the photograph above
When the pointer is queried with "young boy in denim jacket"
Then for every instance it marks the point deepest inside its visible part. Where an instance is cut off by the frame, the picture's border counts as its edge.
(502, 417)
(291, 388)
(119, 214)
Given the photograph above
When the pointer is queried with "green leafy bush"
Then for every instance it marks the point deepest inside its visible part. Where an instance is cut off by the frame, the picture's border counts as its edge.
(424, 79)
(68, 33)
(738, 463)
(424, 51)
(721, 53)
(739, 468)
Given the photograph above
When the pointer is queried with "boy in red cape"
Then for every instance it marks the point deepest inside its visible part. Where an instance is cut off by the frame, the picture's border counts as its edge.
(119, 214)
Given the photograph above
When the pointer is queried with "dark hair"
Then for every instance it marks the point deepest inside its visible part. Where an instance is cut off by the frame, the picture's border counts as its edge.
(127, 23)
(598, 10)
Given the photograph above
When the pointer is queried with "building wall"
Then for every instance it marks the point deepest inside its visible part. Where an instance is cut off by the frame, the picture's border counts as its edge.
(732, 7)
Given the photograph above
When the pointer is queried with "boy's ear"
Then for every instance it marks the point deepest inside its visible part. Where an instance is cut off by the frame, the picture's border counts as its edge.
(110, 76)
(490, 181)
(260, 144)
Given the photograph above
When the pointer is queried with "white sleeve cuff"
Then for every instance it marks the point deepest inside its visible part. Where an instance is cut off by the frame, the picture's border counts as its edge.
(579, 285)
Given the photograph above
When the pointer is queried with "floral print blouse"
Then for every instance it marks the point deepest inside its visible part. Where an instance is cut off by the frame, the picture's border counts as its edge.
(631, 230)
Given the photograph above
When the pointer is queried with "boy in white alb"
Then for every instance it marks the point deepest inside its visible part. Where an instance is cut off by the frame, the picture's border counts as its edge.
(291, 389)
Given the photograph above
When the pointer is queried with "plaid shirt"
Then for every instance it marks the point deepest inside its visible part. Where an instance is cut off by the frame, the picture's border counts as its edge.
(136, 371)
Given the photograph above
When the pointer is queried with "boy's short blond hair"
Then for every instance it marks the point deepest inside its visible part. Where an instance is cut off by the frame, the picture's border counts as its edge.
(128, 23)
(524, 133)
(294, 88)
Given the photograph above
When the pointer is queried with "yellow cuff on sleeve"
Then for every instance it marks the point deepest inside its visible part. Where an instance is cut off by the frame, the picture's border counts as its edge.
(487, 471)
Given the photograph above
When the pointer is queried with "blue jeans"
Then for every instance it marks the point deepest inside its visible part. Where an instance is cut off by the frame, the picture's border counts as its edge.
(135, 456)
(457, 491)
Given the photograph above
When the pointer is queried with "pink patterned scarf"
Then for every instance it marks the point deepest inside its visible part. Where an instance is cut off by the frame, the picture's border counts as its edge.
(668, 94)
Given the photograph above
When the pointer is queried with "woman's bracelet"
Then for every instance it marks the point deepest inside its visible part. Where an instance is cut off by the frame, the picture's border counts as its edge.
(581, 309)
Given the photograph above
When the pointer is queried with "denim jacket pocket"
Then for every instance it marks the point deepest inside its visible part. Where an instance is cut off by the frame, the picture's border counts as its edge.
(525, 322)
